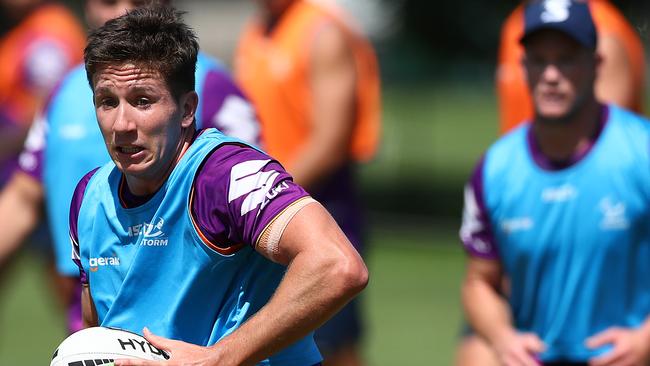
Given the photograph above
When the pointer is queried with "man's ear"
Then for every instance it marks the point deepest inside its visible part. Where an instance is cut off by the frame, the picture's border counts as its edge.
(189, 103)
(598, 59)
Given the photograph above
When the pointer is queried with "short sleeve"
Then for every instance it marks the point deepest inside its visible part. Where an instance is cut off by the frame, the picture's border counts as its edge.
(237, 193)
(75, 206)
(476, 232)
(226, 108)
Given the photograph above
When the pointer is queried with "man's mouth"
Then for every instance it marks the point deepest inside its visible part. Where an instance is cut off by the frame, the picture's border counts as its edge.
(129, 149)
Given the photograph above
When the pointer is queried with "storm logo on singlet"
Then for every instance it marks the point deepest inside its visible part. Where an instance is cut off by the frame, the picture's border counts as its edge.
(152, 234)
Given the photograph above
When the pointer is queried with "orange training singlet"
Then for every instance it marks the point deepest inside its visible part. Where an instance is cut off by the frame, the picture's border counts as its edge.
(273, 70)
(515, 104)
(52, 27)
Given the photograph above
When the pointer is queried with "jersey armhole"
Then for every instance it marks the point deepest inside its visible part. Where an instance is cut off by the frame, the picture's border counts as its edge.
(229, 250)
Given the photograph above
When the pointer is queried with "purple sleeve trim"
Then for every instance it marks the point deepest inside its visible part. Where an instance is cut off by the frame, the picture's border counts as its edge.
(75, 206)
(476, 232)
(237, 193)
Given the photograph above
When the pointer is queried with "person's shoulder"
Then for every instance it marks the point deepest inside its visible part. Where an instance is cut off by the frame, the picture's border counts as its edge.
(629, 126)
(78, 198)
(499, 156)
(74, 81)
(234, 170)
(58, 22)
(72, 89)
(211, 72)
(209, 62)
(77, 74)
(512, 139)
(513, 25)
(607, 16)
(230, 160)
(627, 117)
(83, 184)
(230, 154)
(327, 12)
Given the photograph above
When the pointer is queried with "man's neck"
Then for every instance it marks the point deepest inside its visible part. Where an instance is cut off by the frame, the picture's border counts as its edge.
(559, 141)
(147, 186)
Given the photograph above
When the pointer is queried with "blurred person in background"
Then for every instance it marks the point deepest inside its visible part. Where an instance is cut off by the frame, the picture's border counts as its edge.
(560, 207)
(621, 78)
(43, 42)
(314, 81)
(65, 142)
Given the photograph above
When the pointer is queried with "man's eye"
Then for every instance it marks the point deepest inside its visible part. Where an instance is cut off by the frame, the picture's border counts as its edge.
(142, 102)
(107, 102)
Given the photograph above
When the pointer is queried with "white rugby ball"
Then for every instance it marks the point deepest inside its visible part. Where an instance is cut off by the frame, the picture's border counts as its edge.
(101, 346)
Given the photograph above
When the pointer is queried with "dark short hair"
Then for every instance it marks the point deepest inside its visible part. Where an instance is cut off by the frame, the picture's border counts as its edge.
(153, 37)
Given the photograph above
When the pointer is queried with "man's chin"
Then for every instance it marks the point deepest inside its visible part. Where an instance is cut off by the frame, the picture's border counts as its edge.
(553, 116)
(129, 168)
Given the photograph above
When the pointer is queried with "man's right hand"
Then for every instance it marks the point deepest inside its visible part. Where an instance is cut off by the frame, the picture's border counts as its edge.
(519, 349)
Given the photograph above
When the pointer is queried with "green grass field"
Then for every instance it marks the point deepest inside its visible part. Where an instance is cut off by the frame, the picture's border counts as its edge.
(432, 137)
(412, 302)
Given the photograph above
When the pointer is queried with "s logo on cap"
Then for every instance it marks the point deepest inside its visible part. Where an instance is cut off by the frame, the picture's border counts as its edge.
(555, 11)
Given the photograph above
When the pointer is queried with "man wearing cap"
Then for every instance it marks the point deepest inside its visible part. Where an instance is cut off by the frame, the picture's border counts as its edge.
(621, 79)
(560, 206)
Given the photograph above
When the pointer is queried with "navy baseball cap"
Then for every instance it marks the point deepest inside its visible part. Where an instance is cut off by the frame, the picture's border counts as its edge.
(570, 17)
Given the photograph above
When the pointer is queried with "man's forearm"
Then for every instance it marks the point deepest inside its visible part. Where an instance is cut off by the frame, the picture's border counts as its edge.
(88, 312)
(20, 211)
(487, 311)
(310, 293)
(645, 327)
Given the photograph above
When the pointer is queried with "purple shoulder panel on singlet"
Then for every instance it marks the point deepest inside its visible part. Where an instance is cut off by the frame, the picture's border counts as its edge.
(225, 107)
(476, 231)
(238, 192)
(75, 206)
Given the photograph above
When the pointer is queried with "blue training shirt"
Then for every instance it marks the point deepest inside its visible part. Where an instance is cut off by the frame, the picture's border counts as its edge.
(149, 266)
(574, 242)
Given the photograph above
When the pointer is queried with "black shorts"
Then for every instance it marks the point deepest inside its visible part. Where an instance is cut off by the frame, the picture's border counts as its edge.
(342, 330)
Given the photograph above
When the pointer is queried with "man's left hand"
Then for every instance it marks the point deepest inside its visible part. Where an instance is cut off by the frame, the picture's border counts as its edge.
(630, 347)
(181, 353)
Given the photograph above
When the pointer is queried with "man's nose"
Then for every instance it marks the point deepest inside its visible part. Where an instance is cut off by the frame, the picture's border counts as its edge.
(551, 72)
(123, 123)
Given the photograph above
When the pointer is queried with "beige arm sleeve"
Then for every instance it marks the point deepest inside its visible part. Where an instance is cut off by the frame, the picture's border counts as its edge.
(268, 242)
